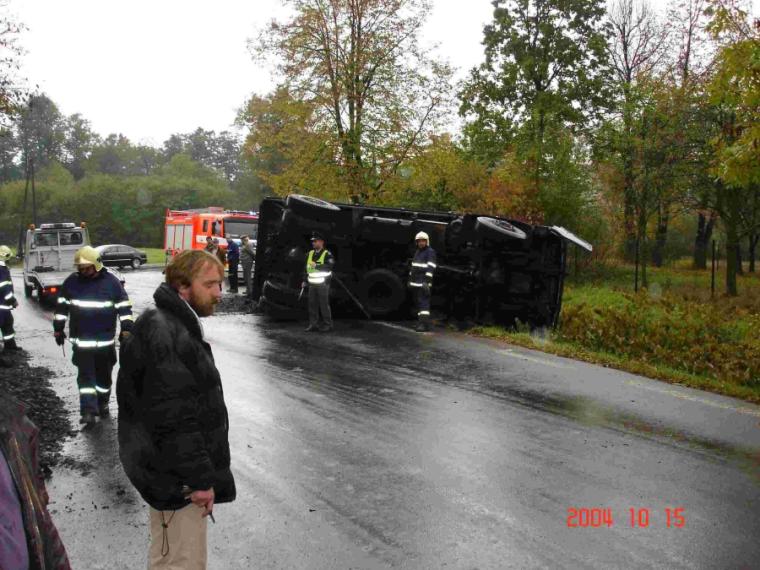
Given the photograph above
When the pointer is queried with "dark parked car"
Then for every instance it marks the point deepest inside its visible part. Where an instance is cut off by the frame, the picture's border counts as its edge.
(490, 269)
(118, 255)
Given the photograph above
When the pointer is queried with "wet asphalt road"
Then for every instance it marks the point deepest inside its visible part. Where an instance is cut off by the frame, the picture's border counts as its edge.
(375, 447)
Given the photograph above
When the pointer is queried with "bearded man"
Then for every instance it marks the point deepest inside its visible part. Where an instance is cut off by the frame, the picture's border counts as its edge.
(173, 423)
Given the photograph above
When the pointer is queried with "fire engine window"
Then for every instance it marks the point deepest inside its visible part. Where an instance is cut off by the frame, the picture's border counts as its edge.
(205, 226)
(214, 229)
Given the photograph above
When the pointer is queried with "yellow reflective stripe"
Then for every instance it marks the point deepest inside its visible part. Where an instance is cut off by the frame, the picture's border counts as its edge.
(91, 343)
(92, 304)
(3, 283)
(431, 264)
(126, 318)
(6, 307)
(9, 296)
(123, 304)
(416, 284)
(9, 337)
(102, 390)
(415, 264)
(87, 391)
(61, 317)
(428, 274)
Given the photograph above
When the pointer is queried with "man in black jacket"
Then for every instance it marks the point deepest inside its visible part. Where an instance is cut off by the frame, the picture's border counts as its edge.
(173, 424)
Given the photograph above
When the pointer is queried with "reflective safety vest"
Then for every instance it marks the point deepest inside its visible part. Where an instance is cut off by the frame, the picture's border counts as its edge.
(6, 288)
(316, 275)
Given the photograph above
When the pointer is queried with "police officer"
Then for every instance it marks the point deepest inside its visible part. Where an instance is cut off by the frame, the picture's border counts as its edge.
(421, 280)
(8, 301)
(91, 300)
(319, 264)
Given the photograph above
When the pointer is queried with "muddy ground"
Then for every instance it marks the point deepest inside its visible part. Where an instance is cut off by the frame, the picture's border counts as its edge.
(31, 385)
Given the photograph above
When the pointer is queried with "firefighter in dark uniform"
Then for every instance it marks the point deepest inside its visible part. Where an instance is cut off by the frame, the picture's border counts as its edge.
(8, 301)
(91, 300)
(319, 265)
(421, 280)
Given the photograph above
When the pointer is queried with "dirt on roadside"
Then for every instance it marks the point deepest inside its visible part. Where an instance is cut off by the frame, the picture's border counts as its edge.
(236, 304)
(32, 386)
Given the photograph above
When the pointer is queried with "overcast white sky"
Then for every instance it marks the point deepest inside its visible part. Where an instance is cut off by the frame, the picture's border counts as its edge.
(150, 68)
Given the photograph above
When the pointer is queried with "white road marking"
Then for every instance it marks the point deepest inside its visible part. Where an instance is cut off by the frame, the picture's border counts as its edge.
(684, 396)
(534, 359)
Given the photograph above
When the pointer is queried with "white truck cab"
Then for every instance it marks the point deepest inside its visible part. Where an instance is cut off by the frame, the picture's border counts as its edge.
(49, 257)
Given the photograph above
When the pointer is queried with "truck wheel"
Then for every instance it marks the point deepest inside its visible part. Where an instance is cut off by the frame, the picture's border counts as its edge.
(310, 207)
(382, 292)
(136, 263)
(280, 294)
(494, 229)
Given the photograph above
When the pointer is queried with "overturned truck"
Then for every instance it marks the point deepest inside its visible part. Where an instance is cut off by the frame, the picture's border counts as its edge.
(490, 269)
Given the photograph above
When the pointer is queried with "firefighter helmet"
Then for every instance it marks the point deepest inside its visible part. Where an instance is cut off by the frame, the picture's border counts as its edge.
(317, 235)
(421, 235)
(5, 253)
(88, 256)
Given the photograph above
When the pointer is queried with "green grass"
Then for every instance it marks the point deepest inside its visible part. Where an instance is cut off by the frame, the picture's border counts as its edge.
(155, 254)
(673, 331)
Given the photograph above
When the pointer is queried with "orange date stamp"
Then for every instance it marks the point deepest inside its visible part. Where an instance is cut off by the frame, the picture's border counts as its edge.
(600, 517)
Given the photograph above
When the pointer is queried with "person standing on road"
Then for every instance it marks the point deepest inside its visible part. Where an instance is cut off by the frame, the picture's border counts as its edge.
(173, 423)
(233, 258)
(247, 259)
(219, 252)
(210, 247)
(8, 301)
(91, 300)
(421, 280)
(28, 537)
(319, 265)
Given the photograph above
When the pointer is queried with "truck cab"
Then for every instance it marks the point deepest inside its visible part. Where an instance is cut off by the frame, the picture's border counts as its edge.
(49, 256)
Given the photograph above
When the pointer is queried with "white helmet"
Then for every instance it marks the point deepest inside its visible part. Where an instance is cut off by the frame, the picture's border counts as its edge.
(421, 235)
(5, 253)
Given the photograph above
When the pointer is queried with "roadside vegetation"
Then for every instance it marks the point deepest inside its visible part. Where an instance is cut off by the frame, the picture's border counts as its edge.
(673, 331)
(636, 129)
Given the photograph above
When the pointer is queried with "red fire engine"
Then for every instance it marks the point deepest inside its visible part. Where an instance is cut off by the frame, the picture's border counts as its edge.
(188, 229)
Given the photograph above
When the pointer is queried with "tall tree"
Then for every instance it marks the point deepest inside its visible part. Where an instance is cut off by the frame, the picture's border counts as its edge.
(41, 131)
(637, 47)
(12, 91)
(735, 95)
(78, 143)
(359, 64)
(546, 67)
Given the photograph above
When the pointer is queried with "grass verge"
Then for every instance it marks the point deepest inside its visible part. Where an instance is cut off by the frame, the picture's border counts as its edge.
(657, 371)
(673, 331)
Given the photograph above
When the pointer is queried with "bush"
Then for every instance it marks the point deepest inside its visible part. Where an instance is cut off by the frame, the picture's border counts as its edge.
(711, 340)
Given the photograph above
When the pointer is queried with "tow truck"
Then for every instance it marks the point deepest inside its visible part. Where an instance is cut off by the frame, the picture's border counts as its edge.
(49, 257)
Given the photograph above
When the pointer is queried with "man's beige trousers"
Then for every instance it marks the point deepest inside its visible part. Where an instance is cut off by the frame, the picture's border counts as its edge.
(181, 543)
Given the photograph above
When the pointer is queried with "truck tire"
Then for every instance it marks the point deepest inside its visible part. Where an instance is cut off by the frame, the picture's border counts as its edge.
(280, 294)
(382, 292)
(310, 207)
(298, 225)
(497, 230)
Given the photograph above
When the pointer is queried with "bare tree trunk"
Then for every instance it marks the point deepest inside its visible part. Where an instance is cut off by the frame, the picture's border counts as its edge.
(702, 240)
(753, 239)
(739, 264)
(663, 217)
